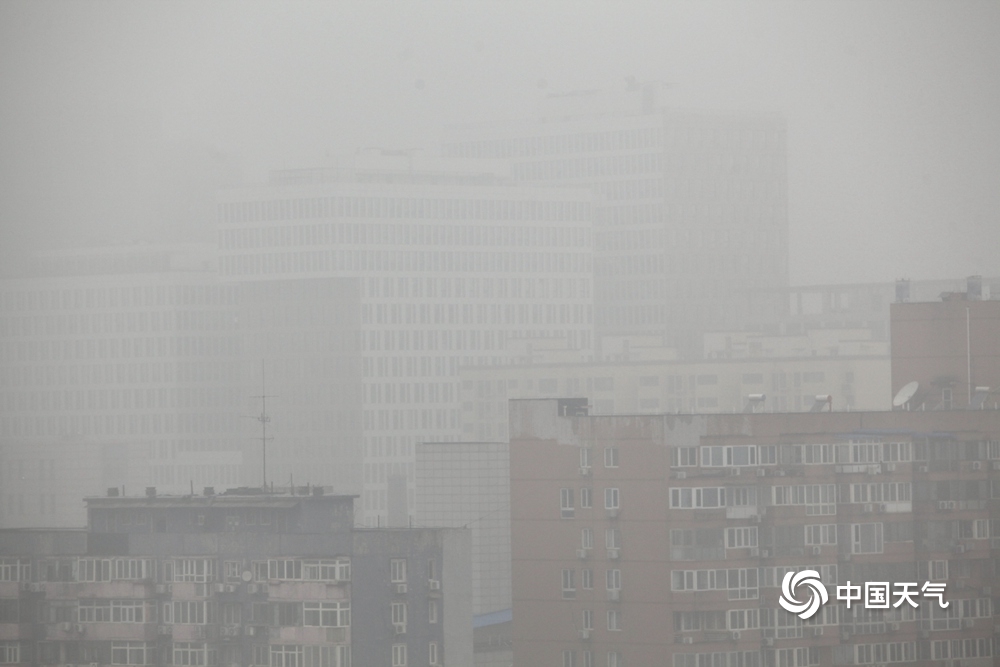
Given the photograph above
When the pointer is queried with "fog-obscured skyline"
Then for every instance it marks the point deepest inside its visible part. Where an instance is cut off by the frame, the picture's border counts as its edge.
(117, 120)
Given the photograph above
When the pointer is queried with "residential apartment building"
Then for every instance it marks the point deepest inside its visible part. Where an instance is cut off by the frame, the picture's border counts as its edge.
(691, 217)
(450, 264)
(665, 539)
(243, 578)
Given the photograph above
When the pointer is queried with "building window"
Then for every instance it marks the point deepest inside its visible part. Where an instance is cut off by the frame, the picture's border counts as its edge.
(614, 619)
(432, 653)
(613, 580)
(821, 534)
(613, 538)
(866, 538)
(744, 536)
(588, 659)
(588, 619)
(131, 653)
(610, 457)
(399, 614)
(586, 498)
(614, 659)
(196, 653)
(586, 579)
(398, 655)
(10, 653)
(566, 503)
(432, 611)
(568, 584)
(397, 570)
(326, 614)
(611, 499)
(568, 659)
(585, 457)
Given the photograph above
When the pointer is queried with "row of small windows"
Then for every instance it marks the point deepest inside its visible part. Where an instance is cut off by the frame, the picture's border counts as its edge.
(402, 207)
(435, 236)
(313, 261)
(589, 167)
(472, 288)
(118, 297)
(74, 324)
(126, 348)
(121, 424)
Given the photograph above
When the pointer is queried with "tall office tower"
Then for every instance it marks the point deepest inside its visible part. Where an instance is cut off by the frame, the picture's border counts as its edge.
(130, 354)
(691, 210)
(450, 264)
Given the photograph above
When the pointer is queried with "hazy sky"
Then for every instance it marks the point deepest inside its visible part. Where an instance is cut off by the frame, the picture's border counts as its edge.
(118, 119)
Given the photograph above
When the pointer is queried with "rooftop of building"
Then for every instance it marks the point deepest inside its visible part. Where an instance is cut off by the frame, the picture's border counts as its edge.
(235, 497)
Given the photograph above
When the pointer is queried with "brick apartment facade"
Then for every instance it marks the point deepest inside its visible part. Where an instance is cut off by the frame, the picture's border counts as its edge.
(663, 539)
(234, 579)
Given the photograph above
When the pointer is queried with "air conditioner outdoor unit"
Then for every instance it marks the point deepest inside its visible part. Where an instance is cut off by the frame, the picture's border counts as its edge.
(584, 634)
(161, 589)
(765, 553)
(399, 628)
(890, 467)
(817, 551)
(248, 630)
(734, 472)
(924, 468)
(680, 474)
(768, 641)
(894, 627)
(817, 632)
(942, 504)
(163, 630)
(230, 588)
(735, 635)
(868, 509)
(252, 589)
(582, 553)
(761, 472)
(36, 587)
(612, 512)
(872, 470)
(614, 595)
(754, 552)
(585, 471)
(613, 554)
(687, 640)
(951, 504)
(882, 507)
(220, 588)
(778, 472)
(79, 628)
(434, 584)
(400, 589)
(977, 465)
(66, 627)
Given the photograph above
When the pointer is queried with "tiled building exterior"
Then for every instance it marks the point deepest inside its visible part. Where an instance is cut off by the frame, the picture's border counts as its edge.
(468, 484)
(663, 540)
(449, 264)
(234, 579)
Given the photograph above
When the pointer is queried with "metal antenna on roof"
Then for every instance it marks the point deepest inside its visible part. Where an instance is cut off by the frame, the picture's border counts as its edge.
(263, 418)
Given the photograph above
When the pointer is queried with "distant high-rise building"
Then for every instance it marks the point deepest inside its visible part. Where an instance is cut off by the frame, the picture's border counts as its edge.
(450, 264)
(691, 208)
(118, 365)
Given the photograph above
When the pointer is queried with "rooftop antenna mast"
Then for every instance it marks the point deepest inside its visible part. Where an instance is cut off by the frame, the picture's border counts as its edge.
(263, 418)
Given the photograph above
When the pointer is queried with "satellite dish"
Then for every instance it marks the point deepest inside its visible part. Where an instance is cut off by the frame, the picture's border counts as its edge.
(904, 395)
(247, 575)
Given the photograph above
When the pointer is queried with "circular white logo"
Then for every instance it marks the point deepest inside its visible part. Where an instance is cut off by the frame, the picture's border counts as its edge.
(817, 597)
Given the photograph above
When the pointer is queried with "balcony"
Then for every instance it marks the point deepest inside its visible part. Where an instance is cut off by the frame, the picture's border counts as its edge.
(744, 512)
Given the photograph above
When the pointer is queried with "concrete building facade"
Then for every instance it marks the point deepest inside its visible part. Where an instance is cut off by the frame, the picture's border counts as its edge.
(665, 539)
(691, 221)
(242, 578)
(450, 265)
